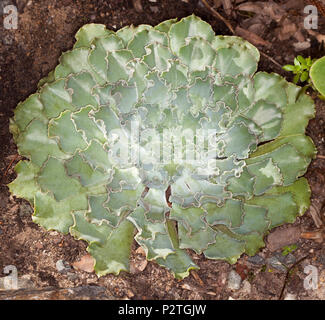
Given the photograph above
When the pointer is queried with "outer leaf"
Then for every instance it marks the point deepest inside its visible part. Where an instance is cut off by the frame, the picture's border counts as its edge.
(317, 72)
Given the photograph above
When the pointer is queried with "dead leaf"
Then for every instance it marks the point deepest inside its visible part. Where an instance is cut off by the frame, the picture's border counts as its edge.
(137, 6)
(250, 7)
(257, 28)
(269, 8)
(227, 6)
(217, 3)
(252, 37)
(299, 36)
(320, 37)
(287, 30)
(315, 213)
(317, 235)
(186, 286)
(86, 263)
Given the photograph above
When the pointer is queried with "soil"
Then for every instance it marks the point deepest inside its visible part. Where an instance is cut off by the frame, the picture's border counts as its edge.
(46, 29)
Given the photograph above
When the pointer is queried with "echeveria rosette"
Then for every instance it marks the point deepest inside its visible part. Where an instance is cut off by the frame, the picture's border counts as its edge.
(177, 76)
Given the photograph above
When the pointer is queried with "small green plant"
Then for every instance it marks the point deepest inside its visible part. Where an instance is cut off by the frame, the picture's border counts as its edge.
(288, 249)
(300, 69)
(311, 71)
(166, 135)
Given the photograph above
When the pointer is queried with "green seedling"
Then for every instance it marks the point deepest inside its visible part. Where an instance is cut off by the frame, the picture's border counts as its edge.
(288, 249)
(309, 71)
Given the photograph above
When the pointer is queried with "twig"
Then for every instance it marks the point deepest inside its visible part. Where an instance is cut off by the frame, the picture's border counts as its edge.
(288, 274)
(219, 16)
(10, 164)
(316, 235)
(271, 59)
(320, 156)
(197, 278)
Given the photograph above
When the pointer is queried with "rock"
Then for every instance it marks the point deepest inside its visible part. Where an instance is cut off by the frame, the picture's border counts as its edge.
(289, 259)
(141, 251)
(234, 280)
(283, 237)
(290, 296)
(246, 287)
(25, 210)
(138, 265)
(77, 293)
(140, 262)
(300, 46)
(72, 276)
(86, 263)
(257, 259)
(130, 294)
(62, 266)
(8, 40)
(39, 245)
(276, 264)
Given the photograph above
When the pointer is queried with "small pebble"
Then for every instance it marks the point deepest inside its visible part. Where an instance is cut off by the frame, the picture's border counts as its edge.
(289, 259)
(62, 266)
(7, 40)
(276, 264)
(72, 276)
(234, 280)
(300, 46)
(290, 296)
(154, 9)
(38, 245)
(25, 210)
(246, 287)
(130, 294)
(257, 259)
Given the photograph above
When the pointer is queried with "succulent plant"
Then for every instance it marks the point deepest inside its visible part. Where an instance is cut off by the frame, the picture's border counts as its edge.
(166, 135)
